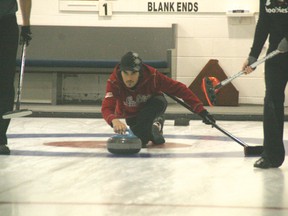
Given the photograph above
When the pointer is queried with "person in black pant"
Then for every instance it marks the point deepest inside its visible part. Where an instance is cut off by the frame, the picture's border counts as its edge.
(273, 22)
(9, 36)
(151, 114)
(134, 92)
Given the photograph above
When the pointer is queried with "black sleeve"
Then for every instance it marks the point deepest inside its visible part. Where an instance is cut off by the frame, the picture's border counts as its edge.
(261, 32)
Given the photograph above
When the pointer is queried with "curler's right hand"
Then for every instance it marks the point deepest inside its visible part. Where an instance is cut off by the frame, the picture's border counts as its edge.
(246, 66)
(118, 126)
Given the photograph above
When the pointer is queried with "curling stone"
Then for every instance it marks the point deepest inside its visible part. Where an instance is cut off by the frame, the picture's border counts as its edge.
(126, 143)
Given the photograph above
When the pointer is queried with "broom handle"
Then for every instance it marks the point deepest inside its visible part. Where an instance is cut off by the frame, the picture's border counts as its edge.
(21, 75)
(212, 123)
(254, 65)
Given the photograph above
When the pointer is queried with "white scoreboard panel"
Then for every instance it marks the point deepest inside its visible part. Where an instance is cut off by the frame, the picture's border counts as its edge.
(107, 7)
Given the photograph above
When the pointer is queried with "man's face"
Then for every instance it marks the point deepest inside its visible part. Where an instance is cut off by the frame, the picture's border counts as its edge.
(130, 78)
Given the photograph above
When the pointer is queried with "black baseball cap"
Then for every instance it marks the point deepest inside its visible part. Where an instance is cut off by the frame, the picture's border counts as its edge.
(131, 62)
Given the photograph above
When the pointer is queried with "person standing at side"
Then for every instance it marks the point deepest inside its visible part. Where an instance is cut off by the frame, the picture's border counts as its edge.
(9, 40)
(273, 22)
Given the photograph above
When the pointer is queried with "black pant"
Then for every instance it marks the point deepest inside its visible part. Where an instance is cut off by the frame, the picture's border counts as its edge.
(9, 35)
(141, 125)
(276, 77)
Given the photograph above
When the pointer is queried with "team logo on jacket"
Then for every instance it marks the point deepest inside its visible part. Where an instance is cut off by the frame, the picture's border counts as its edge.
(276, 6)
(130, 102)
(109, 94)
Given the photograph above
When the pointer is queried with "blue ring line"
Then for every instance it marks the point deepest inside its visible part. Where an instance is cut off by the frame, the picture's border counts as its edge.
(107, 135)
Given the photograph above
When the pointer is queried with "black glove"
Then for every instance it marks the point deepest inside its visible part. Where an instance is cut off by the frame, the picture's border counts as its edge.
(283, 45)
(207, 117)
(25, 36)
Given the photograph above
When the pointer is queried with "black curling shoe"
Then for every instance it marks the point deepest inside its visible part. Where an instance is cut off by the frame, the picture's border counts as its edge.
(4, 150)
(264, 163)
(157, 135)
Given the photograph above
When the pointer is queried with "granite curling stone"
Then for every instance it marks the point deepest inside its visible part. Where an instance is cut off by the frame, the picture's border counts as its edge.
(124, 144)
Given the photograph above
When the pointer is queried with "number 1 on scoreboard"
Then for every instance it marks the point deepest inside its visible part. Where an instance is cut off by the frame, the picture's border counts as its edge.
(105, 8)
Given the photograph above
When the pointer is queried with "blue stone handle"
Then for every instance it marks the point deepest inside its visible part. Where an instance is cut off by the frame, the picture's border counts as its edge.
(129, 133)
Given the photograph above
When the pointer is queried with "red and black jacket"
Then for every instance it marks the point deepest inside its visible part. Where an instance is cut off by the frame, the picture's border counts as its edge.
(122, 102)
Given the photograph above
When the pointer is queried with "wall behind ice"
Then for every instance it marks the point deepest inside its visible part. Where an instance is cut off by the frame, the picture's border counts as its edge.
(206, 30)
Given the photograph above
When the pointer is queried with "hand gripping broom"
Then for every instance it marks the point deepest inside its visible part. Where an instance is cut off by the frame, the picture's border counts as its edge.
(211, 85)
